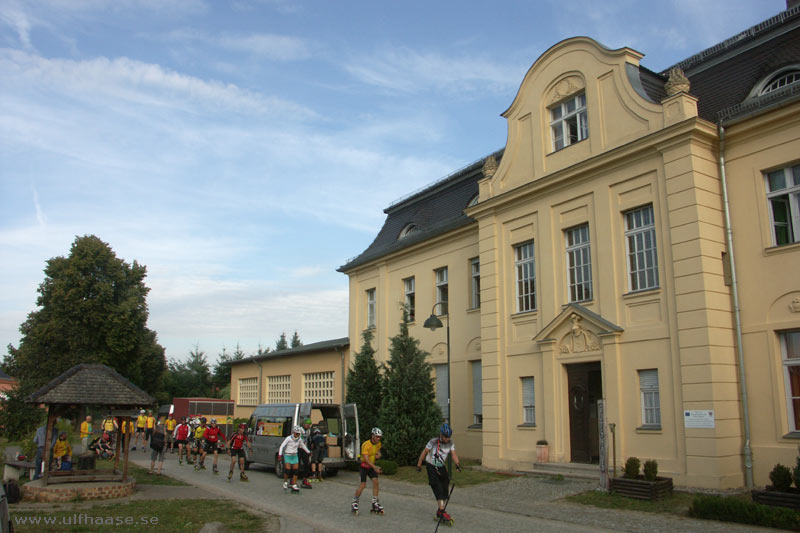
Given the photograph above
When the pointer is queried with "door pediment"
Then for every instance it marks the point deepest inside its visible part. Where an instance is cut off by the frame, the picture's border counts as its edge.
(577, 330)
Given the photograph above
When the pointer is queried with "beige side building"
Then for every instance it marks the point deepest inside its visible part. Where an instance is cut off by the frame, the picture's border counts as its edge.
(311, 373)
(590, 259)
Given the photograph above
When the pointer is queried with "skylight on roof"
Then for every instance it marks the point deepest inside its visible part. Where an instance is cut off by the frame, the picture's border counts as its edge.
(407, 230)
(781, 80)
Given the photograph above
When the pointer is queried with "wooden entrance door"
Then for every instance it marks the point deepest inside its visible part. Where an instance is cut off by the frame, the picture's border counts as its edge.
(585, 387)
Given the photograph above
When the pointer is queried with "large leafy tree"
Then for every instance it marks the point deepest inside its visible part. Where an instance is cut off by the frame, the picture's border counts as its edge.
(409, 414)
(222, 369)
(365, 386)
(189, 378)
(92, 309)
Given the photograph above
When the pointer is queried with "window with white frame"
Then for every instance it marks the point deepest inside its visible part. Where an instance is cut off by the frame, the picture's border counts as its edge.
(477, 393)
(640, 237)
(318, 387)
(783, 194)
(370, 308)
(441, 290)
(524, 265)
(528, 402)
(568, 122)
(651, 404)
(410, 292)
(790, 352)
(248, 391)
(781, 80)
(441, 372)
(475, 284)
(579, 263)
(279, 389)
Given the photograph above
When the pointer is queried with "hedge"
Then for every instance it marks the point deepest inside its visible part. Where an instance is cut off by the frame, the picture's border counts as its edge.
(744, 512)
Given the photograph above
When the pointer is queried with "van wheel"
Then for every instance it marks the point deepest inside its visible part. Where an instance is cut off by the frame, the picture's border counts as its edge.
(278, 468)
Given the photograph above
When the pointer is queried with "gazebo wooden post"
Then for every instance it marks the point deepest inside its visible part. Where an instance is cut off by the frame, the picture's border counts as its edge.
(47, 455)
(118, 445)
(127, 447)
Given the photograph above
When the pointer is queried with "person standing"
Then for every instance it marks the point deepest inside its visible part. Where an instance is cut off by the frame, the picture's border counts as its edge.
(289, 447)
(62, 450)
(169, 427)
(236, 446)
(317, 453)
(181, 438)
(157, 445)
(86, 433)
(38, 440)
(109, 425)
(141, 422)
(150, 424)
(370, 452)
(435, 455)
(304, 456)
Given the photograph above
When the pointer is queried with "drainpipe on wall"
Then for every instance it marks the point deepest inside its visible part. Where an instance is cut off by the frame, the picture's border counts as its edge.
(260, 378)
(748, 453)
(344, 377)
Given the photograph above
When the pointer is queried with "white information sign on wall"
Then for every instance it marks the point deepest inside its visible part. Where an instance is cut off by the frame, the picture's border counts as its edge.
(698, 419)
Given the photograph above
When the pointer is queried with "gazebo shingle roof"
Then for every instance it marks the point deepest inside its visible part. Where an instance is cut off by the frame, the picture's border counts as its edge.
(87, 384)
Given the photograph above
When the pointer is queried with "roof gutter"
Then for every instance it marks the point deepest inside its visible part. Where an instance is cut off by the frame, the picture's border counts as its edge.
(748, 453)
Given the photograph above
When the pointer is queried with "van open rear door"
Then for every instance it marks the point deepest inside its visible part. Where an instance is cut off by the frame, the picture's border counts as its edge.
(352, 444)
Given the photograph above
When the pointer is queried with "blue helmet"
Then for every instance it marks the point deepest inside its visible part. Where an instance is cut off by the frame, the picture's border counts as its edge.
(446, 430)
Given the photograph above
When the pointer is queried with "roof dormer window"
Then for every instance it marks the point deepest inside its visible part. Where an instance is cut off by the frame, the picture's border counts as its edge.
(568, 123)
(473, 201)
(407, 230)
(781, 80)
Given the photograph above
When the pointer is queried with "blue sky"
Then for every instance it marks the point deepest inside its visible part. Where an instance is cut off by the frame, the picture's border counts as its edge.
(244, 150)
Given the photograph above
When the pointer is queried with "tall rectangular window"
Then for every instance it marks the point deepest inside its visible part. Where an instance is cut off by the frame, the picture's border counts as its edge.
(248, 391)
(475, 284)
(441, 291)
(370, 308)
(410, 292)
(579, 263)
(528, 402)
(441, 388)
(640, 234)
(526, 277)
(318, 387)
(790, 351)
(279, 389)
(568, 122)
(783, 195)
(477, 393)
(651, 403)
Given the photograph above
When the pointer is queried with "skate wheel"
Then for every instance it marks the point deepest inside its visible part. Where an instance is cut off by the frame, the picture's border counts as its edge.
(451, 522)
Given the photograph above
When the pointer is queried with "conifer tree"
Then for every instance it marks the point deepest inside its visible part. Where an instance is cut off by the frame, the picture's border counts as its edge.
(295, 342)
(364, 386)
(281, 343)
(409, 415)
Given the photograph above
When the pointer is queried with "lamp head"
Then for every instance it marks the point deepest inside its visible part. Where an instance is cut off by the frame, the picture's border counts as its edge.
(432, 323)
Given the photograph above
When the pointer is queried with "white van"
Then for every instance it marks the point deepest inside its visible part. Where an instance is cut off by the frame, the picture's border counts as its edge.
(271, 423)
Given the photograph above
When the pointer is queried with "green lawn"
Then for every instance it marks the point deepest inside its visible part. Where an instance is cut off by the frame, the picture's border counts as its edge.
(147, 515)
(140, 474)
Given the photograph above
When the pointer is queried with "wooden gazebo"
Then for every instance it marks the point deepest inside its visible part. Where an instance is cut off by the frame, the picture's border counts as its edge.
(90, 385)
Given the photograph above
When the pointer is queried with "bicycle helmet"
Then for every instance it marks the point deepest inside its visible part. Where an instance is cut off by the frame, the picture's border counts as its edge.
(213, 421)
(446, 430)
(377, 431)
(243, 426)
(298, 430)
(203, 420)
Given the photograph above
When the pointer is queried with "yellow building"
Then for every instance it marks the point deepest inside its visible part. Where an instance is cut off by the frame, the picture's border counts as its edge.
(589, 259)
(310, 373)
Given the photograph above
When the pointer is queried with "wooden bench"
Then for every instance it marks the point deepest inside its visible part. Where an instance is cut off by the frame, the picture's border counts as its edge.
(13, 469)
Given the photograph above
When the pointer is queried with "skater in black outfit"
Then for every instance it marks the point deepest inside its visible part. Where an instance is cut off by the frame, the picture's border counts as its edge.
(435, 456)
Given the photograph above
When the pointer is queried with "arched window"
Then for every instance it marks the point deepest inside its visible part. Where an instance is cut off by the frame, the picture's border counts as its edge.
(781, 80)
(473, 201)
(407, 230)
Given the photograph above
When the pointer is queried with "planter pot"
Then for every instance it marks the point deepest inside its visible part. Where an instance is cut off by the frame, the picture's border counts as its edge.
(542, 453)
(772, 497)
(642, 489)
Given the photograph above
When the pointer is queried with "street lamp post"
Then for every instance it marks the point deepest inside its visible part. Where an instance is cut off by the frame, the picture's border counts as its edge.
(432, 323)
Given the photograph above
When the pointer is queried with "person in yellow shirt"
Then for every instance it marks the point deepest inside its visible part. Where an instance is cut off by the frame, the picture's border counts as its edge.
(141, 422)
(370, 452)
(169, 425)
(86, 433)
(62, 451)
(197, 444)
(109, 425)
(150, 424)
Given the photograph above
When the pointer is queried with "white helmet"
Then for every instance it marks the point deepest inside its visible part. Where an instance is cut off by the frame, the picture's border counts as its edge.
(377, 431)
(141, 412)
(297, 429)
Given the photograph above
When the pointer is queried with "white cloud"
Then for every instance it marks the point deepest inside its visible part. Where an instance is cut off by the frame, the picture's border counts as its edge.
(11, 14)
(278, 47)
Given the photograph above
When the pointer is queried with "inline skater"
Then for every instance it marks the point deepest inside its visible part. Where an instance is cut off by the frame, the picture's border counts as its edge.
(212, 438)
(435, 455)
(236, 445)
(289, 447)
(197, 444)
(370, 452)
(181, 436)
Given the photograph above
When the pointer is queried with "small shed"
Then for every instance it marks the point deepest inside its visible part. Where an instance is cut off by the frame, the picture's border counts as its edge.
(90, 385)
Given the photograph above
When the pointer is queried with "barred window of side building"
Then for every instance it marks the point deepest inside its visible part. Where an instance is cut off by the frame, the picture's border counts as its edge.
(318, 387)
(279, 389)
(248, 391)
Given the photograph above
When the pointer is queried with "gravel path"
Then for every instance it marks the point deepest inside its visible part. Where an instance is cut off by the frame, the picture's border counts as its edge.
(520, 504)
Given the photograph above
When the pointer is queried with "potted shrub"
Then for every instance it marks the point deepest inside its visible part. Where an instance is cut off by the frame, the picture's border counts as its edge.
(643, 487)
(542, 451)
(780, 493)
